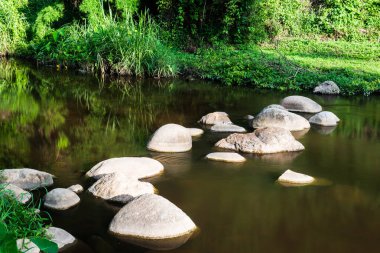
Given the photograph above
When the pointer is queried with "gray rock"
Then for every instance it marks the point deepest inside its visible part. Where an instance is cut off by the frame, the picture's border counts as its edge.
(274, 117)
(248, 117)
(301, 104)
(61, 237)
(153, 222)
(194, 132)
(171, 138)
(324, 119)
(61, 199)
(226, 157)
(133, 167)
(77, 188)
(291, 177)
(274, 106)
(227, 128)
(215, 118)
(26, 246)
(27, 179)
(120, 188)
(16, 192)
(327, 88)
(262, 141)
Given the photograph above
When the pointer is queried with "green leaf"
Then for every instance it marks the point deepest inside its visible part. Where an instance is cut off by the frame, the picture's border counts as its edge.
(8, 243)
(45, 245)
(3, 229)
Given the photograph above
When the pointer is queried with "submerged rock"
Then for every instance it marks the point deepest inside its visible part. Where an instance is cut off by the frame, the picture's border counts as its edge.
(275, 117)
(262, 141)
(226, 157)
(227, 128)
(301, 104)
(171, 138)
(327, 88)
(324, 119)
(77, 188)
(61, 237)
(153, 222)
(194, 132)
(27, 179)
(120, 188)
(16, 192)
(133, 167)
(215, 118)
(61, 199)
(291, 177)
(26, 246)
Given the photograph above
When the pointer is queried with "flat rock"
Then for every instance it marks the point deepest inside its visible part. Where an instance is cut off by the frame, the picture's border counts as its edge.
(226, 157)
(153, 222)
(227, 128)
(275, 117)
(327, 88)
(16, 192)
(134, 167)
(77, 188)
(301, 104)
(291, 177)
(262, 141)
(27, 179)
(120, 188)
(61, 199)
(61, 237)
(26, 246)
(171, 138)
(324, 119)
(194, 132)
(215, 118)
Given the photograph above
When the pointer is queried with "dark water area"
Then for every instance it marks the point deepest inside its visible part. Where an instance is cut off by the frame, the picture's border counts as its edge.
(64, 123)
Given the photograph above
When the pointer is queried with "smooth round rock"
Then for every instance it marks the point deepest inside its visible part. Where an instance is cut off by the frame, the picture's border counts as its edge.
(230, 157)
(133, 167)
(194, 132)
(227, 128)
(120, 188)
(16, 192)
(61, 199)
(262, 141)
(61, 237)
(153, 222)
(77, 188)
(215, 118)
(291, 177)
(327, 88)
(27, 179)
(26, 246)
(324, 119)
(274, 117)
(301, 104)
(171, 138)
(275, 106)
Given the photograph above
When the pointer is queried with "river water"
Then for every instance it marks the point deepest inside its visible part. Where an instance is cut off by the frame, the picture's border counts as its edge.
(64, 123)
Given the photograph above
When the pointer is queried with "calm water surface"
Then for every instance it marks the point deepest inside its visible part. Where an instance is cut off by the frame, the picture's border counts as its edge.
(64, 123)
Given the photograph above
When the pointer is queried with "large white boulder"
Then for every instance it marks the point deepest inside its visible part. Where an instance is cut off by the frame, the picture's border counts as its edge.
(120, 188)
(153, 222)
(231, 157)
(275, 117)
(227, 128)
(133, 167)
(291, 177)
(324, 119)
(327, 88)
(262, 141)
(27, 179)
(171, 138)
(61, 237)
(16, 192)
(26, 246)
(215, 118)
(61, 199)
(301, 104)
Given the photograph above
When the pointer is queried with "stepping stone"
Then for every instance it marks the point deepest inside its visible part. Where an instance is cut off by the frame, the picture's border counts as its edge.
(194, 132)
(61, 237)
(291, 177)
(133, 167)
(226, 157)
(153, 222)
(227, 128)
(27, 179)
(171, 138)
(16, 192)
(324, 119)
(76, 188)
(215, 118)
(301, 104)
(61, 199)
(327, 88)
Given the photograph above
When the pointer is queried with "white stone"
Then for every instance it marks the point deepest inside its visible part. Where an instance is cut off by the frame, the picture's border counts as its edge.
(324, 119)
(215, 118)
(227, 128)
(26, 246)
(27, 179)
(134, 167)
(61, 199)
(61, 237)
(275, 106)
(77, 188)
(291, 177)
(171, 138)
(328, 88)
(153, 222)
(194, 132)
(15, 191)
(301, 104)
(226, 157)
(120, 188)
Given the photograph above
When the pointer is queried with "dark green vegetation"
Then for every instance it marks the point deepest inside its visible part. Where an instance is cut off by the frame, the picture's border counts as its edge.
(291, 45)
